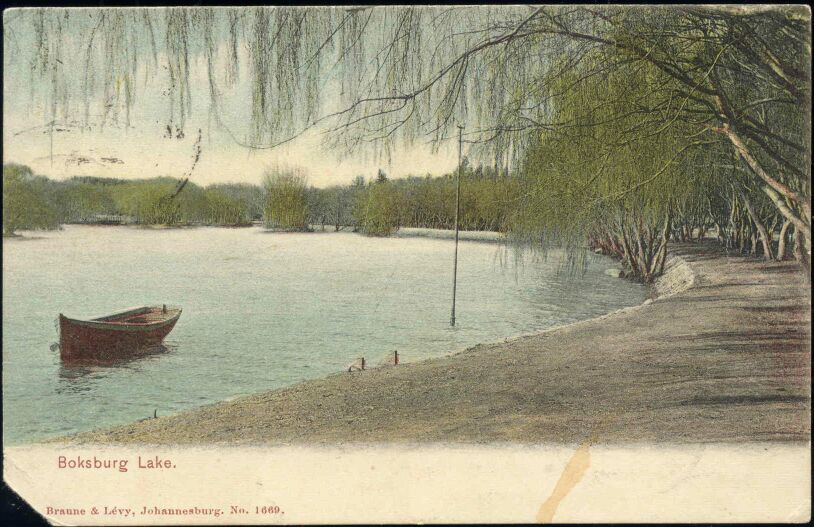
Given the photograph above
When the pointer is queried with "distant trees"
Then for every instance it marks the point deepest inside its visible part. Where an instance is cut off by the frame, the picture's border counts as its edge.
(26, 204)
(251, 197)
(149, 203)
(36, 202)
(318, 206)
(286, 204)
(378, 207)
(381, 206)
(225, 209)
(488, 202)
(81, 202)
(285, 201)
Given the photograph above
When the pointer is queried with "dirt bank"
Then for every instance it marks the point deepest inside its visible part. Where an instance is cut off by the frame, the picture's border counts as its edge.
(721, 356)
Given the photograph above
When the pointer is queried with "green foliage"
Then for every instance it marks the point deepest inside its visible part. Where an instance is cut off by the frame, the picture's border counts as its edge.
(148, 202)
(333, 205)
(193, 205)
(35, 202)
(26, 203)
(83, 202)
(593, 181)
(251, 197)
(641, 95)
(286, 200)
(225, 209)
(488, 202)
(378, 208)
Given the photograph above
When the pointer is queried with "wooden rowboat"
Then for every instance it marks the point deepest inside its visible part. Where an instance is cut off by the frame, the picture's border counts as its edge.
(117, 336)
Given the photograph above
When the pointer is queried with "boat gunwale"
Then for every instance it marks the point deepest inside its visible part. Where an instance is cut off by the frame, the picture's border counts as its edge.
(130, 311)
(99, 323)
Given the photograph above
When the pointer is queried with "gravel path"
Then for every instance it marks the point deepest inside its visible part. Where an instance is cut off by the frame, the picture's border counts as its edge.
(726, 359)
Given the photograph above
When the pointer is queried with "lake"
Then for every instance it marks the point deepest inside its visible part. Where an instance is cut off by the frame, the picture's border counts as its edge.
(261, 311)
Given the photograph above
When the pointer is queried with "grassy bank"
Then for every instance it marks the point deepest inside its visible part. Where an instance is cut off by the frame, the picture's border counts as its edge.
(721, 356)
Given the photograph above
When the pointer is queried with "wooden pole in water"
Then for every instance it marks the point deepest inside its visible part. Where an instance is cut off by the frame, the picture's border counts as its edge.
(51, 137)
(457, 212)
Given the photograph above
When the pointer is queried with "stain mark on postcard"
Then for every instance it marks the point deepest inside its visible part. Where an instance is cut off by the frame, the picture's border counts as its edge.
(571, 475)
(576, 468)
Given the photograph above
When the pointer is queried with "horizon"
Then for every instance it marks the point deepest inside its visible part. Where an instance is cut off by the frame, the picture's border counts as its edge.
(87, 154)
(236, 165)
(135, 179)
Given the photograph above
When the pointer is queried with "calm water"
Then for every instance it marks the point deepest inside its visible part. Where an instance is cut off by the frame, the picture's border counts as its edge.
(261, 311)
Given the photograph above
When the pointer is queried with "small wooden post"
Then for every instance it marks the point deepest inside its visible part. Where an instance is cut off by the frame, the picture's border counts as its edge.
(363, 363)
(396, 357)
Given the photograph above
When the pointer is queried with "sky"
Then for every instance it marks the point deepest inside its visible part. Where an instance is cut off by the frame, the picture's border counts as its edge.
(142, 151)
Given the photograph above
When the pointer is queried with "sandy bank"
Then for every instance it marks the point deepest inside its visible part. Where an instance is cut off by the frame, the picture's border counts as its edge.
(721, 356)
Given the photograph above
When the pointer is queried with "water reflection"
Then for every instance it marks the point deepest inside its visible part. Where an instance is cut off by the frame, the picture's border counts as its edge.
(80, 376)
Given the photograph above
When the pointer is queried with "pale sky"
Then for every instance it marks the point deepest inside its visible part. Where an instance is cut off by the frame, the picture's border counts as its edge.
(144, 152)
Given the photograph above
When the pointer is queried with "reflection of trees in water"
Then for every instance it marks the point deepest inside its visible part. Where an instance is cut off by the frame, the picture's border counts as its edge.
(80, 376)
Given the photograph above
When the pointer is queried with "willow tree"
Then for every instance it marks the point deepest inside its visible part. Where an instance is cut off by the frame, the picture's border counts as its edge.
(377, 78)
(738, 74)
(612, 173)
(82, 202)
(286, 199)
(225, 209)
(148, 202)
(25, 203)
(377, 209)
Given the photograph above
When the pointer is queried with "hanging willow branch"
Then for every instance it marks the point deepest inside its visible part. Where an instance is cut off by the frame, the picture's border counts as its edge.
(376, 78)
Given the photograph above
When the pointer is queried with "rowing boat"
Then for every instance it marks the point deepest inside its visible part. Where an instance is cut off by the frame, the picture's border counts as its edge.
(115, 336)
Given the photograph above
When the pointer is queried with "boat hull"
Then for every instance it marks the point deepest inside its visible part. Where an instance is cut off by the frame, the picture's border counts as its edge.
(103, 341)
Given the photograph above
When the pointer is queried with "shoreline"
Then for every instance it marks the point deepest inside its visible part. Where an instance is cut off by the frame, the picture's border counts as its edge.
(677, 277)
(673, 370)
(449, 234)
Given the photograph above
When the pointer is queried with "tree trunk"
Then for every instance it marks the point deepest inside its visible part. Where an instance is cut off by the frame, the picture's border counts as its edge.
(629, 258)
(640, 256)
(662, 254)
(719, 234)
(787, 213)
(776, 185)
(801, 255)
(781, 241)
(764, 236)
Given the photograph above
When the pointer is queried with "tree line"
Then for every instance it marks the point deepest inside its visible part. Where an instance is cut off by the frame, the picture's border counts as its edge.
(285, 201)
(383, 205)
(31, 201)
